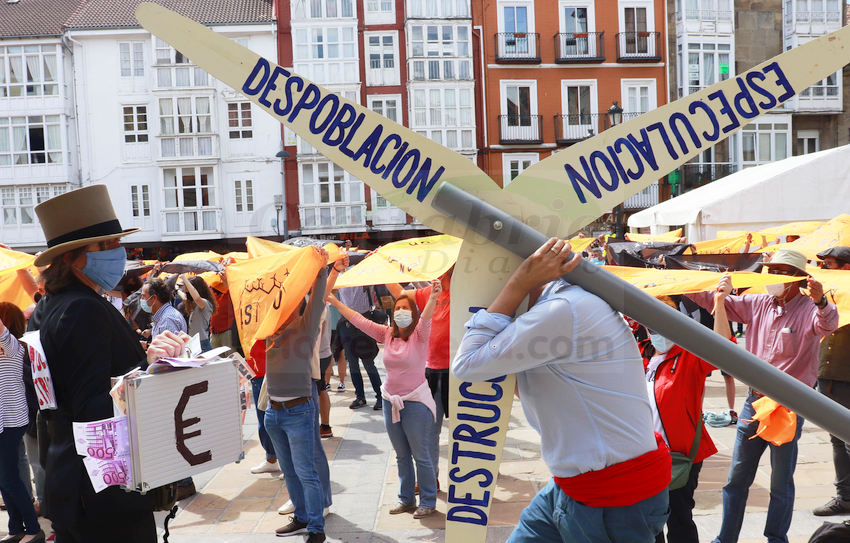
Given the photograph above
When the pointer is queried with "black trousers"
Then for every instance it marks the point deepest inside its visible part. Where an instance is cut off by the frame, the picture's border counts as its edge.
(681, 527)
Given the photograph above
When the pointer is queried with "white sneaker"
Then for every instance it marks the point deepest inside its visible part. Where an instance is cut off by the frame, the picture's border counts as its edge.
(266, 467)
(286, 508)
(340, 387)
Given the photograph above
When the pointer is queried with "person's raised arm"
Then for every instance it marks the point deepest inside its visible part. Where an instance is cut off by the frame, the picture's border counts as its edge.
(546, 264)
(27, 282)
(396, 290)
(436, 289)
(336, 271)
(200, 301)
(343, 309)
(721, 322)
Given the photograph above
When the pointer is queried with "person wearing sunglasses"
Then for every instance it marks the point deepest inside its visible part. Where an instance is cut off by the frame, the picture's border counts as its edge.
(834, 383)
(785, 327)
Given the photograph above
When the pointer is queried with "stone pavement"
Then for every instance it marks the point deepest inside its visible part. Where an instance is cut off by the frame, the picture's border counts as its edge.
(233, 505)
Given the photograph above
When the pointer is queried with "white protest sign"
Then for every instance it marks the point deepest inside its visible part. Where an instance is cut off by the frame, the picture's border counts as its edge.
(41, 378)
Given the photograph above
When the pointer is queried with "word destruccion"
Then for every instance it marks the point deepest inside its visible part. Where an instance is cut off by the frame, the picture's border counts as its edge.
(605, 169)
(338, 124)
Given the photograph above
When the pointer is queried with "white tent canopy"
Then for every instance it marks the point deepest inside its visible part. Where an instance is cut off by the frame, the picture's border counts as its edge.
(813, 187)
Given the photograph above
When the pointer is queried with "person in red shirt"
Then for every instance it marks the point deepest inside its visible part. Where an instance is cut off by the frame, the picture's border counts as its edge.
(437, 362)
(676, 387)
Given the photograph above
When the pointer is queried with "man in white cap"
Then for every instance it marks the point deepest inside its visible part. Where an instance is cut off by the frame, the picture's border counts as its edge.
(834, 383)
(784, 329)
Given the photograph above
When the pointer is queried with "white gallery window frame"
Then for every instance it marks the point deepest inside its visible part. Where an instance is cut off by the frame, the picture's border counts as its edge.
(439, 52)
(189, 199)
(328, 54)
(330, 196)
(140, 200)
(240, 121)
(808, 141)
(766, 140)
(514, 164)
(438, 9)
(175, 70)
(633, 101)
(388, 105)
(185, 126)
(29, 70)
(382, 58)
(323, 9)
(445, 115)
(131, 59)
(379, 11)
(33, 139)
(589, 5)
(244, 195)
(702, 62)
(18, 202)
(136, 123)
(650, 13)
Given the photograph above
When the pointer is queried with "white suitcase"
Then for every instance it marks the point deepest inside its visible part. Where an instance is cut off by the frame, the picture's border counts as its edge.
(182, 423)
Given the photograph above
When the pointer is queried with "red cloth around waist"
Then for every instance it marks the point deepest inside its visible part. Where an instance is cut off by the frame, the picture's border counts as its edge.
(622, 484)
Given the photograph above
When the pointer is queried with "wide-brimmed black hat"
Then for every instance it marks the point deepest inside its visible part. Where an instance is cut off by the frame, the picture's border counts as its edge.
(76, 219)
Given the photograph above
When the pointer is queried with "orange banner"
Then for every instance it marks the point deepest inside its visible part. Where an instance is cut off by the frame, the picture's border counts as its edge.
(266, 290)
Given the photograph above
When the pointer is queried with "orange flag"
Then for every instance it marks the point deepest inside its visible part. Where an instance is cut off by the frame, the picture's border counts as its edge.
(777, 424)
(10, 288)
(266, 290)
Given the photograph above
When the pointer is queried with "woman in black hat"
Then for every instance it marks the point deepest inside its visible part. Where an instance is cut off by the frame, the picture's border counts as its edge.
(86, 342)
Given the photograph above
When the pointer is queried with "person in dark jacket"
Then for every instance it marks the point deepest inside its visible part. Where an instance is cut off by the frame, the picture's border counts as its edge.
(86, 341)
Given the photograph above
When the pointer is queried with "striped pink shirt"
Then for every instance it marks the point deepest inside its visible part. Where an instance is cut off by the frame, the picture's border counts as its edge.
(404, 360)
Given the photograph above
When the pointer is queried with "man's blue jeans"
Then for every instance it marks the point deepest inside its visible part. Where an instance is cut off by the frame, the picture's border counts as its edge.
(321, 458)
(293, 432)
(22, 517)
(552, 516)
(742, 472)
(409, 437)
(352, 340)
(265, 441)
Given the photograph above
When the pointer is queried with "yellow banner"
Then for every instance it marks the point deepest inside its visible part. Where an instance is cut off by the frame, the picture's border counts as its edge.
(266, 290)
(833, 233)
(670, 282)
(793, 229)
(581, 244)
(264, 247)
(672, 236)
(720, 246)
(405, 261)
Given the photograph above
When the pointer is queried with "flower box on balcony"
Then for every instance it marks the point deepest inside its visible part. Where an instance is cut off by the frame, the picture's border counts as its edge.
(519, 34)
(580, 35)
(643, 34)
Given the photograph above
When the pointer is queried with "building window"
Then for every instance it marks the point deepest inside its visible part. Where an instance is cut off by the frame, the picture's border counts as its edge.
(579, 111)
(35, 139)
(434, 42)
(18, 203)
(330, 196)
(180, 71)
(185, 117)
(383, 67)
(638, 96)
(441, 9)
(386, 105)
(516, 26)
(707, 64)
(135, 124)
(519, 120)
(337, 49)
(380, 12)
(140, 199)
(244, 195)
(445, 116)
(322, 9)
(239, 120)
(28, 70)
(763, 142)
(824, 88)
(132, 59)
(516, 163)
(189, 199)
(808, 141)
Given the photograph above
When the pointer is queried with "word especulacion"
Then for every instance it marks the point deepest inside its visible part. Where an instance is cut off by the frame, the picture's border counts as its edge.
(338, 123)
(722, 113)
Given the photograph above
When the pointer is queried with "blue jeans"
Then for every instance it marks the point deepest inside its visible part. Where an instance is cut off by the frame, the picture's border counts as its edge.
(742, 472)
(321, 458)
(554, 516)
(293, 432)
(409, 437)
(265, 441)
(352, 343)
(22, 517)
(206, 345)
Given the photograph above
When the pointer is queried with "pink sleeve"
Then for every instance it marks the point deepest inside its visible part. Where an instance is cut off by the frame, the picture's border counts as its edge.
(379, 332)
(423, 331)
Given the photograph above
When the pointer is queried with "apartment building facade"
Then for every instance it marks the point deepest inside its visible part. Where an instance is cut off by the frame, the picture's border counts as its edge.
(556, 72)
(712, 40)
(410, 61)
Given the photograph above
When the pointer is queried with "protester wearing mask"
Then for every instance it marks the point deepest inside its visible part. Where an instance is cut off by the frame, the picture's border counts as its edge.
(156, 300)
(785, 328)
(675, 382)
(413, 410)
(86, 342)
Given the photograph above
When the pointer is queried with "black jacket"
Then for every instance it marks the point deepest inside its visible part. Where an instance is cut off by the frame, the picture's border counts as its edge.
(86, 341)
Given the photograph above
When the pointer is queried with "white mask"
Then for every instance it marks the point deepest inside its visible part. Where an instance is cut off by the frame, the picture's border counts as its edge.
(661, 344)
(777, 290)
(403, 317)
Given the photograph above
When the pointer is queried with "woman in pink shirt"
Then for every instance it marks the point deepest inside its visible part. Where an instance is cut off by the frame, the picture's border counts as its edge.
(413, 409)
